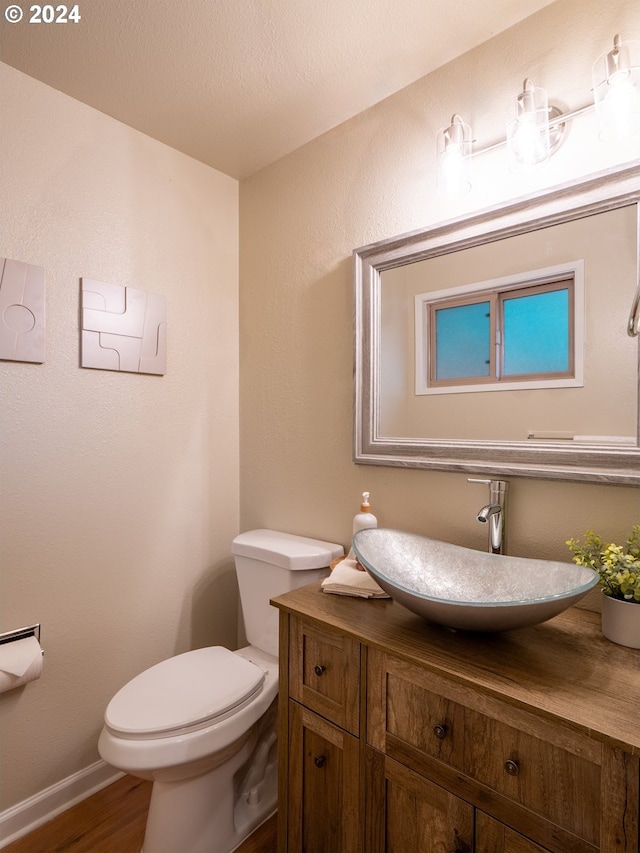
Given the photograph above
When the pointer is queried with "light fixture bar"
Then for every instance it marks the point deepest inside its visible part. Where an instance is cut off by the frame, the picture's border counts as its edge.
(554, 121)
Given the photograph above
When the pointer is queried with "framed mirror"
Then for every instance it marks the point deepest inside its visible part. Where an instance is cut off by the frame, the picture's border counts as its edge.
(574, 412)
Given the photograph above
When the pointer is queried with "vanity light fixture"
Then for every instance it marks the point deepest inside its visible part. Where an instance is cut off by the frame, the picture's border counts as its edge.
(454, 158)
(616, 91)
(528, 140)
(536, 129)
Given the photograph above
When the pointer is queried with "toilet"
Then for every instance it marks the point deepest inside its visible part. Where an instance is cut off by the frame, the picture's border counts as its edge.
(202, 725)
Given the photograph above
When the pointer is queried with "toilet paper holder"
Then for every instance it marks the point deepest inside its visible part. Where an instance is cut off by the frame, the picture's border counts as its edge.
(21, 634)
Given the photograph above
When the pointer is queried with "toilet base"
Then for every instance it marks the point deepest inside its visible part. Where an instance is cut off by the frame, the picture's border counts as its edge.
(216, 811)
(255, 827)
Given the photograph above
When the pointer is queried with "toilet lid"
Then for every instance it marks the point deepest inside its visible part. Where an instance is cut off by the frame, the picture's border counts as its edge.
(187, 691)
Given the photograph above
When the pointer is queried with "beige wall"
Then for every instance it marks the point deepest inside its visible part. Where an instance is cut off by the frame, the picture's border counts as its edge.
(369, 179)
(119, 491)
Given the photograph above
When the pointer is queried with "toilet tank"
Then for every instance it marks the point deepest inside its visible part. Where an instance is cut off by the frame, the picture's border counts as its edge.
(269, 563)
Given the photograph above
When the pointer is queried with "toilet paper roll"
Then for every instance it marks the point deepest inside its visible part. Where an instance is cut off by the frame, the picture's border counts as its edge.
(20, 663)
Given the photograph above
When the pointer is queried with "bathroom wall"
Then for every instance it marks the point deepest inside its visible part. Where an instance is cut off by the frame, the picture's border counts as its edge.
(371, 178)
(119, 490)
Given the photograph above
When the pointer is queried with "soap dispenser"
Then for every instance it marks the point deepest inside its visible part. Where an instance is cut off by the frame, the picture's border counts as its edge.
(365, 518)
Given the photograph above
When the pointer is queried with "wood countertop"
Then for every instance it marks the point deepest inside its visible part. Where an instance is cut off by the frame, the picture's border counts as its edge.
(563, 669)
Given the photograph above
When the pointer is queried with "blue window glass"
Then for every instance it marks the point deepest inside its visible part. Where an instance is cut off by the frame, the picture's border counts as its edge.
(463, 336)
(536, 333)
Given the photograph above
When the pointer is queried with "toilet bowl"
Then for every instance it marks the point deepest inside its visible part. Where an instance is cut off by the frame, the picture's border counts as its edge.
(192, 742)
(202, 725)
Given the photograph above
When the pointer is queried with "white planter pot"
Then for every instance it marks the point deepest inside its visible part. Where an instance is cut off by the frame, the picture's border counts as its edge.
(621, 621)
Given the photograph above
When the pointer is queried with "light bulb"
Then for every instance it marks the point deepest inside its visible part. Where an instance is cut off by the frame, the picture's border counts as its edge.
(528, 129)
(454, 158)
(616, 90)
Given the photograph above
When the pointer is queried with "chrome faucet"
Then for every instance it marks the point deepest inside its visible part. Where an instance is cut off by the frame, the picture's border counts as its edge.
(493, 513)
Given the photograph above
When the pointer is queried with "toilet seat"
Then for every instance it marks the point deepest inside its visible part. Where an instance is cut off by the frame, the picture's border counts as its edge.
(182, 694)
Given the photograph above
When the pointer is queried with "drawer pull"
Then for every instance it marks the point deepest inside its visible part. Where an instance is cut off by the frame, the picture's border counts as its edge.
(440, 731)
(319, 760)
(512, 767)
(319, 669)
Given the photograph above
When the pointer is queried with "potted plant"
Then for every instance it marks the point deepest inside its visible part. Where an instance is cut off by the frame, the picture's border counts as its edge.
(618, 567)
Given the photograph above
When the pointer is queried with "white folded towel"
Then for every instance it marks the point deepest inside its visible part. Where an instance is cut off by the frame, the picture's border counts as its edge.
(347, 579)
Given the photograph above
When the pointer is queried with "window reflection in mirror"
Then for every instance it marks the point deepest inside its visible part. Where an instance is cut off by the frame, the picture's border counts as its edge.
(605, 404)
(505, 334)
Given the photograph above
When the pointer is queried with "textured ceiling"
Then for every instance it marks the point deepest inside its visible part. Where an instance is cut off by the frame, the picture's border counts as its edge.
(238, 84)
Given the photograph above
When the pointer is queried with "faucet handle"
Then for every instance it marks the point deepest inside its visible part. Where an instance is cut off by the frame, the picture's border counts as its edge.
(493, 484)
(497, 488)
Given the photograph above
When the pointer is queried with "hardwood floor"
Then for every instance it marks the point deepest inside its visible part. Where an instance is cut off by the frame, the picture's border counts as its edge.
(112, 821)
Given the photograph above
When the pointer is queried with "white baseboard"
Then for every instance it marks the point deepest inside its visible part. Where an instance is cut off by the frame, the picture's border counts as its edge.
(32, 813)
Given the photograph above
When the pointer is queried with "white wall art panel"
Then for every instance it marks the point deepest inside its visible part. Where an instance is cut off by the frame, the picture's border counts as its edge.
(123, 328)
(21, 311)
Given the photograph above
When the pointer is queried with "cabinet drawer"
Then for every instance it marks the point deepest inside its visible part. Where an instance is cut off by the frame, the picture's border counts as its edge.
(553, 782)
(487, 758)
(324, 673)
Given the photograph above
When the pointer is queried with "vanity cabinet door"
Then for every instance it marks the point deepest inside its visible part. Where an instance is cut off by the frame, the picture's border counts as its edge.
(406, 813)
(495, 837)
(324, 786)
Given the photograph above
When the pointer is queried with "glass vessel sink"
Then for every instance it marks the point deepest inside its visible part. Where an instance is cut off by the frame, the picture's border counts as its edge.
(465, 589)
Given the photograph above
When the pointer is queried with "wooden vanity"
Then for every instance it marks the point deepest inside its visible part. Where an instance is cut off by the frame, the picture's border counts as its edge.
(401, 736)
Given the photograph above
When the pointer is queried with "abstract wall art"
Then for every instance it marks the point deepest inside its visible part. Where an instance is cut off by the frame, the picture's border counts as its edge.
(22, 311)
(123, 329)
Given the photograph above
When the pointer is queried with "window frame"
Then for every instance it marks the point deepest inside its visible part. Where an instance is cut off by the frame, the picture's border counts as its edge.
(496, 291)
